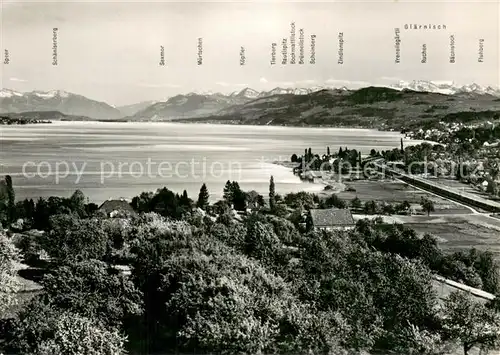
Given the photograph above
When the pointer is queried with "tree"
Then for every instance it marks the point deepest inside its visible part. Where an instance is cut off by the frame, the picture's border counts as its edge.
(185, 202)
(403, 207)
(77, 203)
(228, 192)
(285, 230)
(42, 214)
(221, 207)
(294, 158)
(91, 289)
(166, 203)
(272, 193)
(255, 199)
(470, 322)
(427, 205)
(239, 199)
(11, 199)
(76, 335)
(74, 238)
(300, 199)
(9, 257)
(370, 207)
(388, 209)
(356, 203)
(143, 202)
(206, 298)
(492, 187)
(203, 197)
(415, 341)
(328, 151)
(261, 242)
(487, 267)
(335, 201)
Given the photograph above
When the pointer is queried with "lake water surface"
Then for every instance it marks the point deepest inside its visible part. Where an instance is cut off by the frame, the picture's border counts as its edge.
(112, 160)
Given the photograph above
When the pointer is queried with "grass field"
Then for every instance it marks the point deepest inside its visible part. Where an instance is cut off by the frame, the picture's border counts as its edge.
(460, 232)
(392, 191)
(462, 236)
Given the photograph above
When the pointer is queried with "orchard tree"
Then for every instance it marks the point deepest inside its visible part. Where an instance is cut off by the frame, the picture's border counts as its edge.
(9, 257)
(76, 335)
(427, 205)
(413, 340)
(74, 238)
(471, 322)
(90, 288)
(356, 203)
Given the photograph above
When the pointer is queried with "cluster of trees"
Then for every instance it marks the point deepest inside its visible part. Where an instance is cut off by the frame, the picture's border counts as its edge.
(314, 161)
(477, 136)
(474, 268)
(236, 197)
(416, 159)
(373, 207)
(36, 215)
(213, 283)
(256, 286)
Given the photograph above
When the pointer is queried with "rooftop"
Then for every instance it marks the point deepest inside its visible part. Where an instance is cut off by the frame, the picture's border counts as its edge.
(331, 217)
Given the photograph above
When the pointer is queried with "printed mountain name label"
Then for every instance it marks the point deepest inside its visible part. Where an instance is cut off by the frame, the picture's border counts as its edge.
(424, 54)
(273, 53)
(199, 60)
(480, 58)
(162, 56)
(242, 56)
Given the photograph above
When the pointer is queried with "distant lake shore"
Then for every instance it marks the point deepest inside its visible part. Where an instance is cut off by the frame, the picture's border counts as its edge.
(105, 158)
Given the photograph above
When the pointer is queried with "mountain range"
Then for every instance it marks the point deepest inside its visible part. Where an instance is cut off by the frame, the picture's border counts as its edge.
(447, 88)
(56, 100)
(370, 107)
(197, 105)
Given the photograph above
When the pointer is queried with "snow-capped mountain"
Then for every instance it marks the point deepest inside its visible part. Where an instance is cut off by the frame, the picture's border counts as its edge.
(289, 91)
(448, 88)
(9, 93)
(246, 92)
(55, 100)
(51, 94)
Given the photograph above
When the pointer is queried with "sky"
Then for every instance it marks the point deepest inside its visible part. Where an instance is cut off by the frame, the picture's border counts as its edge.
(110, 51)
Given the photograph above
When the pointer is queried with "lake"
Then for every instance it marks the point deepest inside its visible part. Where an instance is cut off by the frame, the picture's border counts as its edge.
(113, 160)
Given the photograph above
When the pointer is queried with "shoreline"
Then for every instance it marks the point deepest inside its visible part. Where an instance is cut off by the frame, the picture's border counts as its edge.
(219, 123)
(314, 127)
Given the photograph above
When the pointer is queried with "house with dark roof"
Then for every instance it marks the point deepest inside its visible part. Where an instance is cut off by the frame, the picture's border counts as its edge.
(331, 218)
(113, 208)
